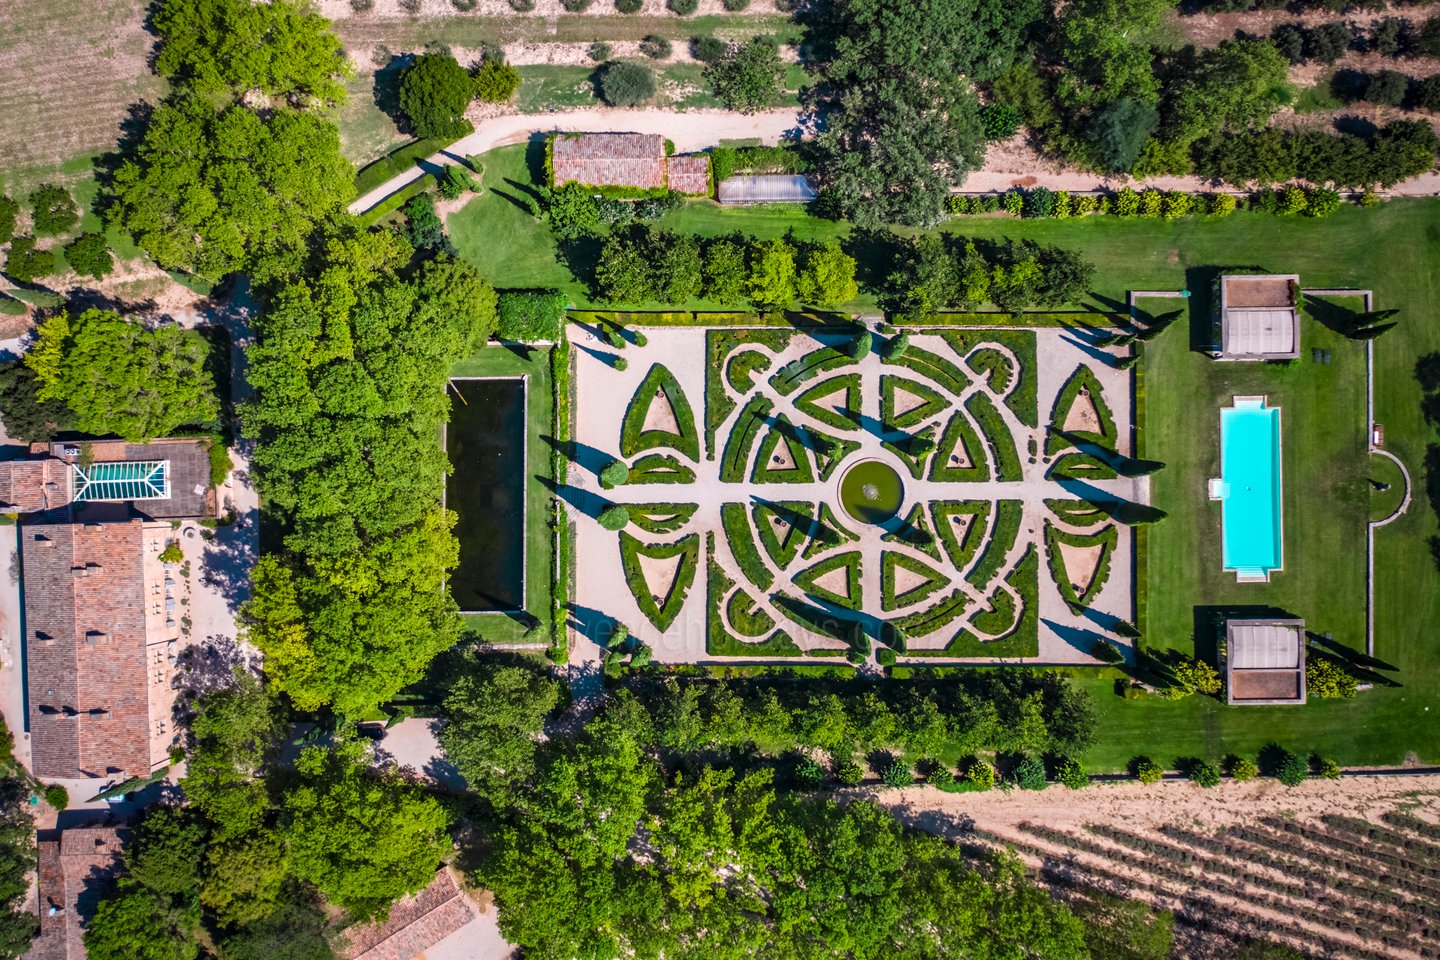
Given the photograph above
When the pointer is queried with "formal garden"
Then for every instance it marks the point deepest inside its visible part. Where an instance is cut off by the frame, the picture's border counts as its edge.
(927, 494)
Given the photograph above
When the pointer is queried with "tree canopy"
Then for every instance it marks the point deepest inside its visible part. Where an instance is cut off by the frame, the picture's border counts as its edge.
(362, 837)
(434, 92)
(349, 370)
(281, 48)
(901, 118)
(118, 377)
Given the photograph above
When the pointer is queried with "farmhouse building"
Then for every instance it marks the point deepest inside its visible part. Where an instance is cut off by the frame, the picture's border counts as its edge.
(636, 161)
(75, 867)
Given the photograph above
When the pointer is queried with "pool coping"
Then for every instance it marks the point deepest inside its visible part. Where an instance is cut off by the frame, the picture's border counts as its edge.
(524, 378)
(1264, 400)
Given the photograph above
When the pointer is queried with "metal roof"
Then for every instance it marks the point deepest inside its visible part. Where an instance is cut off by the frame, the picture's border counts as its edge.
(1260, 331)
(766, 188)
(1264, 646)
(121, 480)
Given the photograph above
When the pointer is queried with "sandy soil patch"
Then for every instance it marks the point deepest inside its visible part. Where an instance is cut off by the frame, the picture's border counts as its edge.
(905, 401)
(782, 458)
(1082, 416)
(907, 580)
(1081, 565)
(837, 581)
(660, 415)
(660, 573)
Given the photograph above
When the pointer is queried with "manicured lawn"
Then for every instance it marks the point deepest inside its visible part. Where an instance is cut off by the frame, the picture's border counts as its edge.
(1394, 249)
(496, 361)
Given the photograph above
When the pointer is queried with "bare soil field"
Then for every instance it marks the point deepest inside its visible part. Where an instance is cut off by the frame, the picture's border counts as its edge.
(1340, 869)
(69, 71)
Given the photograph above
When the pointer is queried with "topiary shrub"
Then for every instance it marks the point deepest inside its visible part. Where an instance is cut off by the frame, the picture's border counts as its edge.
(1221, 205)
(1069, 772)
(1014, 202)
(809, 773)
(1106, 652)
(1321, 202)
(1243, 769)
(848, 772)
(897, 774)
(599, 51)
(613, 474)
(735, 6)
(941, 777)
(1204, 774)
(1146, 770)
(1029, 774)
(621, 363)
(885, 657)
(1327, 769)
(979, 775)
(576, 6)
(615, 517)
(655, 47)
(1040, 203)
(629, 6)
(1290, 768)
(57, 797)
(682, 7)
(626, 84)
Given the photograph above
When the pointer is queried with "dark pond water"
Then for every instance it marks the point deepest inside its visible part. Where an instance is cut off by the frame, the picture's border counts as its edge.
(486, 445)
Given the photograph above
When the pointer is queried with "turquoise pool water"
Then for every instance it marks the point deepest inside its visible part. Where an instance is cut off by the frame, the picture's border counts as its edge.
(1250, 496)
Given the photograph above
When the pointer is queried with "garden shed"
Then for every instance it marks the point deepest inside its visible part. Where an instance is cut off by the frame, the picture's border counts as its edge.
(1259, 319)
(767, 188)
(1264, 661)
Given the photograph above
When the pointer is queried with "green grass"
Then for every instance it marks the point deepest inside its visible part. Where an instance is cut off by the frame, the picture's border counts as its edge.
(496, 361)
(366, 131)
(1316, 97)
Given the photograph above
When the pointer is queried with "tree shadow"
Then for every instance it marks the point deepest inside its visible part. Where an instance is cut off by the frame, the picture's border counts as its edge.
(590, 504)
(385, 93)
(582, 455)
(581, 255)
(594, 625)
(535, 156)
(1078, 638)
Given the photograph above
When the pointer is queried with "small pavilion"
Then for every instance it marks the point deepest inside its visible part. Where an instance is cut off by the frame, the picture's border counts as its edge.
(1264, 662)
(1259, 317)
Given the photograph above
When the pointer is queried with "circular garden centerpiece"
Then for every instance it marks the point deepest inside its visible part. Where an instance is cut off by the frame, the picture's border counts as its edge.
(871, 491)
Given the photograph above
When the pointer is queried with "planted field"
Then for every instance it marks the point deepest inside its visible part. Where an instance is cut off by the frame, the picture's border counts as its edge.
(69, 72)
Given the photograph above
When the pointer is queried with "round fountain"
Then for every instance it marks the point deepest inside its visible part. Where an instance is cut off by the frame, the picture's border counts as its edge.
(871, 491)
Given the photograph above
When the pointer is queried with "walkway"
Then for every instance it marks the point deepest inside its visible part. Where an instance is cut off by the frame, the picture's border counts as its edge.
(692, 130)
(689, 130)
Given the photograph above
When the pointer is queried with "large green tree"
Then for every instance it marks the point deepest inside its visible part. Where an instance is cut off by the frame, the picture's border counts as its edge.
(901, 121)
(364, 838)
(434, 92)
(349, 371)
(136, 924)
(214, 190)
(281, 48)
(1105, 47)
(118, 377)
(748, 77)
(493, 717)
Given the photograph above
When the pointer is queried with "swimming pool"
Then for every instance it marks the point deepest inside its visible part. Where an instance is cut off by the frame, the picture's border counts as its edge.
(1250, 488)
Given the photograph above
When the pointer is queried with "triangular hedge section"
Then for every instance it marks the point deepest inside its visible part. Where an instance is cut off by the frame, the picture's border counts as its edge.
(634, 437)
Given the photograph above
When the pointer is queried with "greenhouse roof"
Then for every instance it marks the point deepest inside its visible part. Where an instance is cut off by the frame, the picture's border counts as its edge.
(121, 480)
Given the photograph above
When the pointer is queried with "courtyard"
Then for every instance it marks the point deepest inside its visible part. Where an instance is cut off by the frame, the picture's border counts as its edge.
(960, 499)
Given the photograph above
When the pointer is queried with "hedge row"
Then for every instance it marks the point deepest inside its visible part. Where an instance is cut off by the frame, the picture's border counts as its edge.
(742, 438)
(960, 434)
(662, 613)
(719, 345)
(1083, 379)
(890, 561)
(661, 518)
(1043, 203)
(1022, 398)
(1106, 538)
(1024, 640)
(397, 162)
(961, 553)
(720, 642)
(1008, 519)
(997, 437)
(660, 468)
(736, 524)
(633, 435)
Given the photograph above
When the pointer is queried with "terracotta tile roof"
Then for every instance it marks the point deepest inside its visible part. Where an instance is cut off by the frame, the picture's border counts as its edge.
(85, 648)
(30, 486)
(415, 924)
(609, 159)
(75, 868)
(690, 174)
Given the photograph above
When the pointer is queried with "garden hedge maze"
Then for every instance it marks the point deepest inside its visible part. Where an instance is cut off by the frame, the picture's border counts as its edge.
(989, 492)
